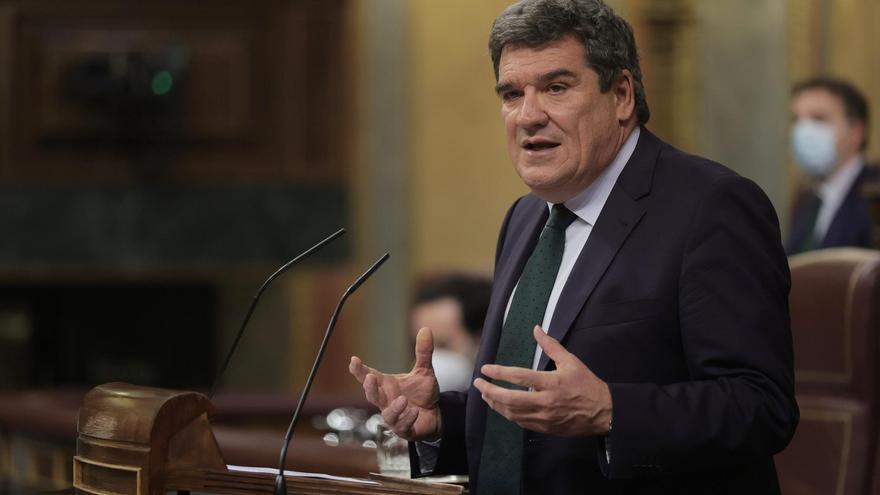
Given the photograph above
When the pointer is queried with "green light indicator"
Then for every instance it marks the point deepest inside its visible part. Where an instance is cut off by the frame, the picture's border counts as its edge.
(162, 83)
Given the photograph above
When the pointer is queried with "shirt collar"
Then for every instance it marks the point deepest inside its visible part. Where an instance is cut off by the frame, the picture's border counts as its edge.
(588, 204)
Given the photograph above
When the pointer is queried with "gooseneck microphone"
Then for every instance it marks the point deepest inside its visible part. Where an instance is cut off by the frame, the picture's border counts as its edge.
(259, 293)
(280, 484)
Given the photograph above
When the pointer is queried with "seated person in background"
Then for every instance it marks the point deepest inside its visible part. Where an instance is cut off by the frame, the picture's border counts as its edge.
(453, 306)
(829, 136)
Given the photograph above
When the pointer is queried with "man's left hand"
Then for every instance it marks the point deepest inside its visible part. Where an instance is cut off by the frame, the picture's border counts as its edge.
(568, 401)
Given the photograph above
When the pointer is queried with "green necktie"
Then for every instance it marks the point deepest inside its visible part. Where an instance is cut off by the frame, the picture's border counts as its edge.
(501, 459)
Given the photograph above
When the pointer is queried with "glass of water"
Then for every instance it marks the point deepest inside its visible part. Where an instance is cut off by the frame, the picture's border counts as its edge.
(392, 452)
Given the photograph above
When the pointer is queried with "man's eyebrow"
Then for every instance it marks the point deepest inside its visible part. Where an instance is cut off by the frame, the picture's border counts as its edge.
(502, 87)
(549, 76)
(555, 74)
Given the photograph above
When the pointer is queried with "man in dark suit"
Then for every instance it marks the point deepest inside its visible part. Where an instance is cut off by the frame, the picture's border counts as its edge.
(659, 278)
(829, 138)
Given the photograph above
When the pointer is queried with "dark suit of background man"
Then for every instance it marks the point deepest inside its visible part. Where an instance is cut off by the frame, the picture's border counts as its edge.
(668, 364)
(829, 137)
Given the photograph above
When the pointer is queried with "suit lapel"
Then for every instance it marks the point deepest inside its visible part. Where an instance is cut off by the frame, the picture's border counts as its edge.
(620, 215)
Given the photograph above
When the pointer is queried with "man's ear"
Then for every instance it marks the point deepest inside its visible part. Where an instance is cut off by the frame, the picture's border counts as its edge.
(624, 95)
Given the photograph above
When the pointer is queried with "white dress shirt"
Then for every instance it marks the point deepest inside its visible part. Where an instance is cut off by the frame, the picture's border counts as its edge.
(832, 192)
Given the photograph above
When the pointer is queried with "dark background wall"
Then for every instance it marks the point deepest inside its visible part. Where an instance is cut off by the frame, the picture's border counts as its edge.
(157, 161)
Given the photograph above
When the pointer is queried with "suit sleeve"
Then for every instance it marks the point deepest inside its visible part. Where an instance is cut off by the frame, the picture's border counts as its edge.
(451, 451)
(733, 316)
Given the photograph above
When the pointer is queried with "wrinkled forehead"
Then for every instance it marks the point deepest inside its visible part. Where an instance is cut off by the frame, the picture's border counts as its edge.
(568, 51)
(518, 45)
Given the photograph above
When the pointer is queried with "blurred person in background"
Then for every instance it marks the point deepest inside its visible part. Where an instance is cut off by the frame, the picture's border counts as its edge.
(453, 306)
(829, 136)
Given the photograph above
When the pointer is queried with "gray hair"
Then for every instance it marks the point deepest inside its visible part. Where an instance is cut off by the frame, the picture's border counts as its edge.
(607, 37)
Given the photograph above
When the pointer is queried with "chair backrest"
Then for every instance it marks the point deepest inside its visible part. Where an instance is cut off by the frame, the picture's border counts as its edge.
(835, 320)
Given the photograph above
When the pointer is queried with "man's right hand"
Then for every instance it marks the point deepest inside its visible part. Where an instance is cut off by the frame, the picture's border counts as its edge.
(408, 401)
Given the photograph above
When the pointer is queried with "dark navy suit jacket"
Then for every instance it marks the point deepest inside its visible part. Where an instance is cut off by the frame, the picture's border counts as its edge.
(679, 300)
(851, 225)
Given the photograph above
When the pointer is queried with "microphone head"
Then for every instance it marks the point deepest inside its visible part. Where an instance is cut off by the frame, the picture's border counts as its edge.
(280, 485)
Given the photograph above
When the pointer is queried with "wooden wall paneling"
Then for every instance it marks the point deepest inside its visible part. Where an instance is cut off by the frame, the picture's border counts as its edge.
(218, 107)
(325, 60)
(851, 49)
(806, 38)
(6, 74)
(295, 78)
(874, 144)
(853, 53)
(313, 297)
(666, 34)
(263, 104)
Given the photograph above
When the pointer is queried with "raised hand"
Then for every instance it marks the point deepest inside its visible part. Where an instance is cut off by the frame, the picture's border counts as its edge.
(408, 401)
(568, 401)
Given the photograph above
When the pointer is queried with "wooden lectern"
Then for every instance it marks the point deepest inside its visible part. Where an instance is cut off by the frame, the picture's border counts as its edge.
(135, 440)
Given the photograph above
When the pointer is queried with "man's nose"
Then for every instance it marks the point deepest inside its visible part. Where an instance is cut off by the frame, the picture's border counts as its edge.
(531, 114)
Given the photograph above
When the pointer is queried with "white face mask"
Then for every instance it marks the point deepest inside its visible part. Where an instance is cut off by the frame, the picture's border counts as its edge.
(453, 371)
(813, 145)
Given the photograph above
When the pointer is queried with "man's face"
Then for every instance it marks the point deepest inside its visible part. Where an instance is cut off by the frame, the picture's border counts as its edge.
(562, 131)
(823, 106)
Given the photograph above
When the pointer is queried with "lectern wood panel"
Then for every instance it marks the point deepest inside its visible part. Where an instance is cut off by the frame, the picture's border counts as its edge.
(96, 477)
(126, 428)
(137, 440)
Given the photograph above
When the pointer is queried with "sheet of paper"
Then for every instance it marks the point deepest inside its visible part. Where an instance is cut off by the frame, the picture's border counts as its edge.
(287, 472)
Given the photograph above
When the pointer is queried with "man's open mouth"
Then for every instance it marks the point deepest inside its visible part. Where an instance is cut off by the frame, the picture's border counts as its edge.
(540, 146)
